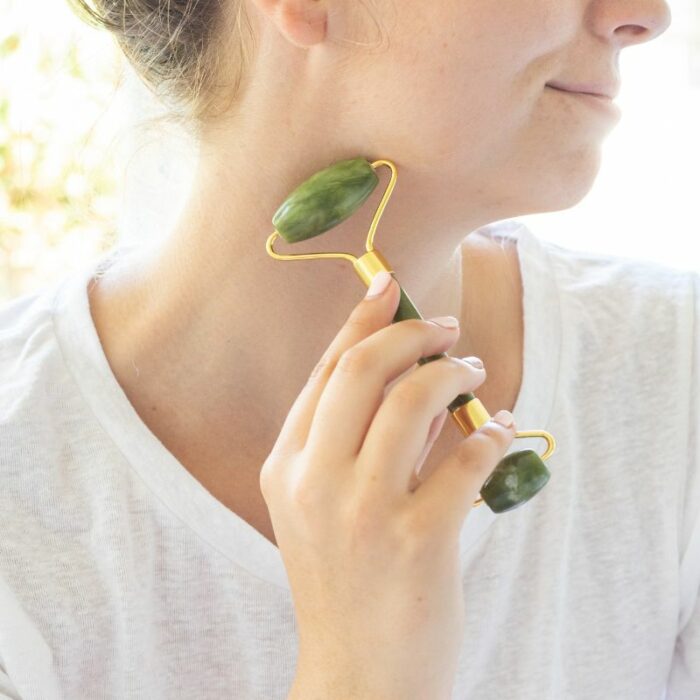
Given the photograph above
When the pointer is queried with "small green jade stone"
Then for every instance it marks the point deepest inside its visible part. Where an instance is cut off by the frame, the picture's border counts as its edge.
(516, 479)
(324, 200)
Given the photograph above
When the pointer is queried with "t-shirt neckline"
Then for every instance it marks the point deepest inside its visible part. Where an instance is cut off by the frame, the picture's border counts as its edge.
(187, 498)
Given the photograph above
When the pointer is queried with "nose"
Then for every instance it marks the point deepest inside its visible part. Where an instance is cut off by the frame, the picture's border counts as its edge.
(629, 22)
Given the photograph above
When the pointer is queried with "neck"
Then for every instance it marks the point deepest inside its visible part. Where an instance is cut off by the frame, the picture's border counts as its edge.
(212, 339)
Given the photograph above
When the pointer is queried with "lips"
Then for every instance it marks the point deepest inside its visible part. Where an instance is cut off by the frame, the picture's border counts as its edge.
(609, 90)
(599, 103)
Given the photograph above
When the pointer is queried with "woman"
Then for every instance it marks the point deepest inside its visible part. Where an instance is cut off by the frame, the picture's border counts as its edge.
(141, 556)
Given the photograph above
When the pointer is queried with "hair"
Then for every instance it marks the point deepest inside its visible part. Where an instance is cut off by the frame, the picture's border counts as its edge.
(175, 47)
(181, 49)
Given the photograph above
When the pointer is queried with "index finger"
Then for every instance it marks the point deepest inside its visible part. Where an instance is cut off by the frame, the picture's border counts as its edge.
(370, 315)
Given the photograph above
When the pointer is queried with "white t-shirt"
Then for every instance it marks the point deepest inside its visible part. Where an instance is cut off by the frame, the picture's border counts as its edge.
(122, 577)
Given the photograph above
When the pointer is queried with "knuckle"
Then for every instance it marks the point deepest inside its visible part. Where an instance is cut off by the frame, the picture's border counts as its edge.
(321, 367)
(271, 475)
(265, 483)
(464, 452)
(305, 494)
(360, 322)
(355, 360)
(426, 328)
(477, 450)
(413, 326)
(410, 393)
(422, 324)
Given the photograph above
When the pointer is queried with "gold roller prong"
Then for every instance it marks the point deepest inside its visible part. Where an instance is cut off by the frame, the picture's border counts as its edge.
(548, 437)
(366, 266)
(303, 256)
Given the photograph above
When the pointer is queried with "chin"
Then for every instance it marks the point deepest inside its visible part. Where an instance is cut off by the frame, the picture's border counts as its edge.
(567, 186)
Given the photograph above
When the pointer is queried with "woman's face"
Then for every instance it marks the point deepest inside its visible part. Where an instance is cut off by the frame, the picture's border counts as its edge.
(457, 97)
(462, 86)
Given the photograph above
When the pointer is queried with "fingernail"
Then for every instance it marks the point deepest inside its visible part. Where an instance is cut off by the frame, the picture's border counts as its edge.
(504, 418)
(379, 283)
(445, 321)
(475, 361)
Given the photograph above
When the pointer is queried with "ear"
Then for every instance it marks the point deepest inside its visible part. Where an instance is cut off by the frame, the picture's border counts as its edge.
(302, 22)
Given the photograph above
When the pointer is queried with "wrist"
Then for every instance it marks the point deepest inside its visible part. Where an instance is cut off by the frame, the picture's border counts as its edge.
(330, 682)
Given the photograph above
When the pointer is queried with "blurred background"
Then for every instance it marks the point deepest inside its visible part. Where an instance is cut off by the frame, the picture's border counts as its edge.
(81, 171)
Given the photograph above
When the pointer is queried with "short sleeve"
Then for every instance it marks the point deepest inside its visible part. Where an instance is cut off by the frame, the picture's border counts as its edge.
(684, 677)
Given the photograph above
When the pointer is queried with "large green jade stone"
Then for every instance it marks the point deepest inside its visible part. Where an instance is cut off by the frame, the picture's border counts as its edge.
(324, 200)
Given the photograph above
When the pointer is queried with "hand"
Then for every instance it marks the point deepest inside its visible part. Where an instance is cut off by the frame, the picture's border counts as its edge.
(373, 566)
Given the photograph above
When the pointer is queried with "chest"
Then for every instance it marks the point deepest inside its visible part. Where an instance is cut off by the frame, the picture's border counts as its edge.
(574, 599)
(240, 492)
(239, 489)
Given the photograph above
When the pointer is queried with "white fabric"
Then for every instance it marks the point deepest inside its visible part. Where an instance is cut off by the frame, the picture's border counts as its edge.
(122, 577)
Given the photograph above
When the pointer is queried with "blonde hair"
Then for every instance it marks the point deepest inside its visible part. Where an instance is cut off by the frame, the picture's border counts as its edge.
(178, 49)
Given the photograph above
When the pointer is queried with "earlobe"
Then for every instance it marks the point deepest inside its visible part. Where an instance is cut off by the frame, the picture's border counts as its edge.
(302, 22)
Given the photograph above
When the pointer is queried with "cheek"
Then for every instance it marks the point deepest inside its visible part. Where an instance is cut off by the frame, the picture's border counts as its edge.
(477, 116)
(449, 119)
(472, 99)
(457, 90)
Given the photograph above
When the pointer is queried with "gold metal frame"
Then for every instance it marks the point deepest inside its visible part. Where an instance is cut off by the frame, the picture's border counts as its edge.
(472, 415)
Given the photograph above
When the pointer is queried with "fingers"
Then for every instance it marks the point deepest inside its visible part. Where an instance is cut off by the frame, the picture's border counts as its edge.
(446, 496)
(355, 390)
(400, 428)
(366, 318)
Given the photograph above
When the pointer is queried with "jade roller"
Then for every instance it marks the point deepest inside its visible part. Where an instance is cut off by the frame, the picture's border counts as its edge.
(326, 199)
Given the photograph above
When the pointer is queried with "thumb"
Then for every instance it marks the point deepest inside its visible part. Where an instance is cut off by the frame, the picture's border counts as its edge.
(451, 489)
